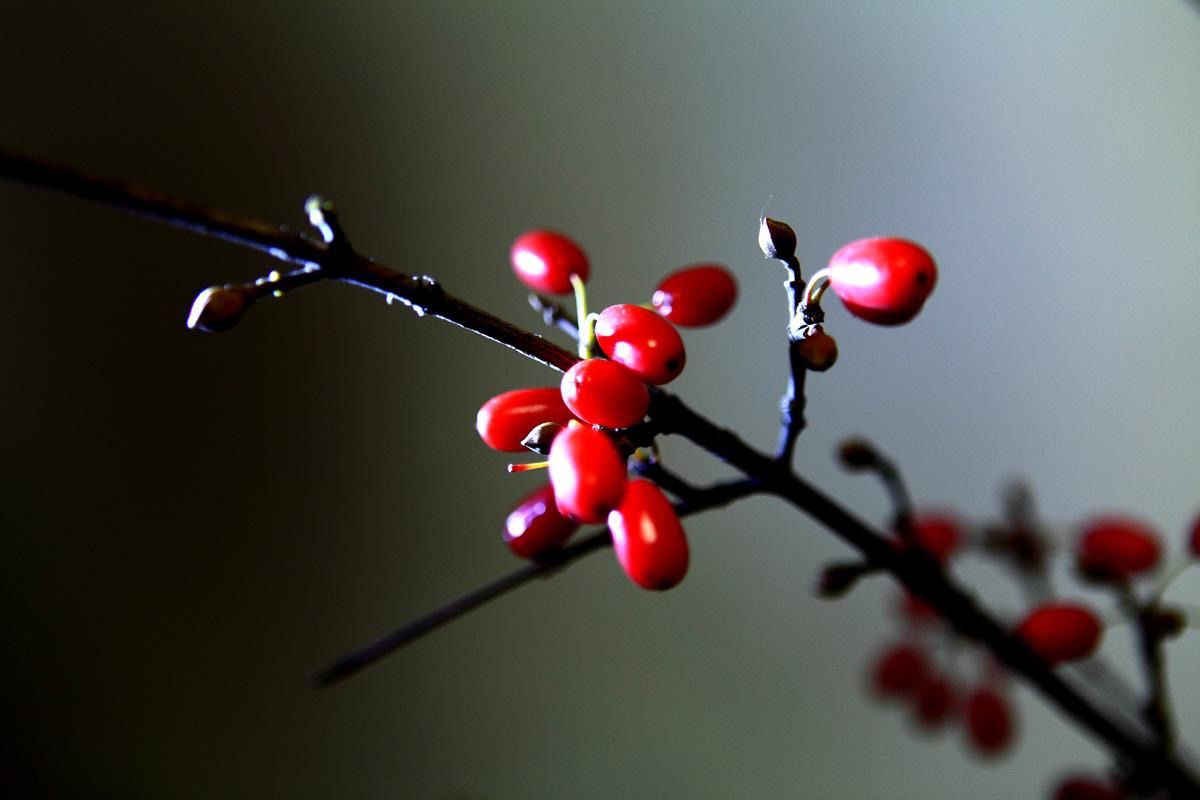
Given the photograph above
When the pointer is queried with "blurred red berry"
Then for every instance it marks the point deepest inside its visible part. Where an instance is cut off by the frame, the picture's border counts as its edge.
(938, 534)
(640, 339)
(535, 526)
(1061, 632)
(899, 671)
(1194, 538)
(1116, 548)
(545, 261)
(1085, 787)
(648, 538)
(508, 418)
(914, 609)
(989, 721)
(936, 702)
(885, 281)
(696, 296)
(587, 473)
(603, 392)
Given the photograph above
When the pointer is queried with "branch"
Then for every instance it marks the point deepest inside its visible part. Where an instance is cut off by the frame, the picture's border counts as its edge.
(777, 240)
(765, 473)
(343, 668)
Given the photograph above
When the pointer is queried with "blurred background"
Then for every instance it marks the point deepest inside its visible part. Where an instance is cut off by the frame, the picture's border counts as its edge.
(192, 523)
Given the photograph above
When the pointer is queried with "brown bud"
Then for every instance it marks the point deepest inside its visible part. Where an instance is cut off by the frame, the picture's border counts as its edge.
(1166, 623)
(539, 439)
(216, 310)
(857, 454)
(837, 579)
(817, 350)
(776, 239)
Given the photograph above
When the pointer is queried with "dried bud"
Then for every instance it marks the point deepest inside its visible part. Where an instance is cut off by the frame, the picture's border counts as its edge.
(1166, 623)
(837, 579)
(216, 310)
(540, 438)
(776, 239)
(857, 454)
(816, 349)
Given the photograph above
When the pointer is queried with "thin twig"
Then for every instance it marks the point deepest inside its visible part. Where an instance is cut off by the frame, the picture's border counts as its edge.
(778, 241)
(364, 657)
(1149, 635)
(554, 315)
(791, 406)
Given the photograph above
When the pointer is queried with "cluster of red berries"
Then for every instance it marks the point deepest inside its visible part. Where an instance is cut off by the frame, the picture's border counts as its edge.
(575, 424)
(1109, 551)
(908, 671)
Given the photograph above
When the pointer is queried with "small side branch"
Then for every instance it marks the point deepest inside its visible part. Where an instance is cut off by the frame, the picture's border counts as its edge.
(554, 315)
(777, 240)
(859, 455)
(713, 497)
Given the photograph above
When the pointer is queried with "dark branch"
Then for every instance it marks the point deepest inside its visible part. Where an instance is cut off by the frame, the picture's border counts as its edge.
(777, 240)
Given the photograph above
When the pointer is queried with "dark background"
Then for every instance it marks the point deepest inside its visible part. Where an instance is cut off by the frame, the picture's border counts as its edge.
(191, 523)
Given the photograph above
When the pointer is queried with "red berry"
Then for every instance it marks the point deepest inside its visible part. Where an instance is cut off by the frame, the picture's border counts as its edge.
(1115, 548)
(648, 538)
(1194, 538)
(915, 610)
(885, 281)
(605, 393)
(641, 340)
(545, 261)
(936, 702)
(1085, 787)
(989, 722)
(1061, 632)
(696, 296)
(587, 473)
(535, 526)
(508, 418)
(899, 671)
(938, 534)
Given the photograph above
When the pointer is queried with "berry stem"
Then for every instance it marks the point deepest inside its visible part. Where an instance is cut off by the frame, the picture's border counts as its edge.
(814, 290)
(1173, 571)
(587, 322)
(532, 465)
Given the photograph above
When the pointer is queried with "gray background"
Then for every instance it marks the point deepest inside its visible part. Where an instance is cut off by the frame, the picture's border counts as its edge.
(190, 523)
